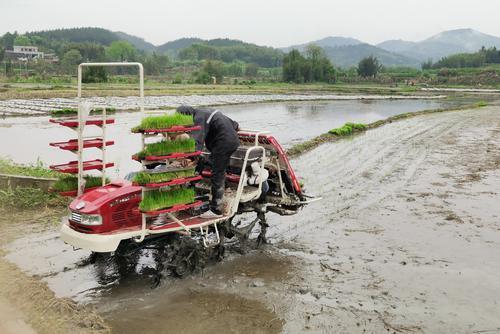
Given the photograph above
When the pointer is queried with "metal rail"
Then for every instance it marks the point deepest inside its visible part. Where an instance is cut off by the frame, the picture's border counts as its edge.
(84, 111)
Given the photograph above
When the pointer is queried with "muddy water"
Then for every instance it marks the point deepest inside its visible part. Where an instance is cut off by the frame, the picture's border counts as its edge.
(25, 139)
(405, 240)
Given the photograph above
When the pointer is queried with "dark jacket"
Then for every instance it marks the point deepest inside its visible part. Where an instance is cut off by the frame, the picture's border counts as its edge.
(218, 132)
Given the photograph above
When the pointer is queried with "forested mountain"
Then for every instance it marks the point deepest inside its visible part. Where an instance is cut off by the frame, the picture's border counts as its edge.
(138, 42)
(350, 55)
(95, 44)
(77, 35)
(229, 50)
(173, 47)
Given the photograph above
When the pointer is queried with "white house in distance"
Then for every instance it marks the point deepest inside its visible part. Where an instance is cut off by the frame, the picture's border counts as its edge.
(24, 53)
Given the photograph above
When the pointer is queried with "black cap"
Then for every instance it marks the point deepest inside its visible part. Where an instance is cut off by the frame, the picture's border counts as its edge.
(186, 110)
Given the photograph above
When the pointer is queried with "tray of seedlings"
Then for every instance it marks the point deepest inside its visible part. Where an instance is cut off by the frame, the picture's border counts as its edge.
(169, 186)
(68, 185)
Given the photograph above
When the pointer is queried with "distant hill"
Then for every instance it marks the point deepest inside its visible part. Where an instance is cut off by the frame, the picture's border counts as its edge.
(173, 47)
(231, 50)
(443, 44)
(396, 45)
(138, 42)
(332, 41)
(78, 35)
(350, 55)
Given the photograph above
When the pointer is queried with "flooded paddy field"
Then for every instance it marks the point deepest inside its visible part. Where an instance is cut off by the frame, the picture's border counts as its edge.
(290, 123)
(45, 106)
(405, 240)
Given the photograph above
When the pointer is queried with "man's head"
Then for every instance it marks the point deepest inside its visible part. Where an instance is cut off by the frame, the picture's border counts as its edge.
(186, 110)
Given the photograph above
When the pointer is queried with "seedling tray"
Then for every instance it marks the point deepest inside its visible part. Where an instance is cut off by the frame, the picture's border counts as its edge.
(72, 167)
(73, 123)
(72, 145)
(171, 182)
(168, 157)
(175, 208)
(174, 129)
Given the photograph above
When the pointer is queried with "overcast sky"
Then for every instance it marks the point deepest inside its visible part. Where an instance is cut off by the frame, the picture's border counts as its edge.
(267, 22)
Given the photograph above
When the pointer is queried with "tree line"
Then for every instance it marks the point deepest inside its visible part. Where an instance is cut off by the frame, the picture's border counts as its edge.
(462, 60)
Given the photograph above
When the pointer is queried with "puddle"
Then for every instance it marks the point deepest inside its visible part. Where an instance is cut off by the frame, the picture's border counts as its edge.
(196, 311)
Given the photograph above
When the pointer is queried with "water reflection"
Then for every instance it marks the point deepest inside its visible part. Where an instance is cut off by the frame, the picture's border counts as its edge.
(25, 139)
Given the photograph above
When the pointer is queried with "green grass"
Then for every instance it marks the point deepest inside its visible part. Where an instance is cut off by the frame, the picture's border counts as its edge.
(157, 199)
(143, 178)
(70, 183)
(482, 104)
(29, 198)
(347, 129)
(71, 111)
(166, 147)
(164, 122)
(35, 170)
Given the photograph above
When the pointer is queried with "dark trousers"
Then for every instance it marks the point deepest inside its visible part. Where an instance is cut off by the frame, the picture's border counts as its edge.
(220, 162)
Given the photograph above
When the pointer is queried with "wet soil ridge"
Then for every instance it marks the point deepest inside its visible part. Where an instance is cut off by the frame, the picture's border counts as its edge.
(332, 135)
(406, 237)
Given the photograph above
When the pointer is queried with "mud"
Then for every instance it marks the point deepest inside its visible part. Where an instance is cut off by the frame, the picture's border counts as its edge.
(405, 240)
(27, 304)
(406, 237)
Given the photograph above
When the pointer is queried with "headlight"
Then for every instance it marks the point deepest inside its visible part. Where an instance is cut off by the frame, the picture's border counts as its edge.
(91, 220)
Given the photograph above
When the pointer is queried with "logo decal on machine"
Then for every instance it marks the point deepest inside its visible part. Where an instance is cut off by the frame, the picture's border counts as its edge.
(123, 200)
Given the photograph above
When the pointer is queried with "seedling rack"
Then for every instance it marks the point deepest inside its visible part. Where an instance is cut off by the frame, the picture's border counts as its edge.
(77, 146)
(80, 123)
(166, 134)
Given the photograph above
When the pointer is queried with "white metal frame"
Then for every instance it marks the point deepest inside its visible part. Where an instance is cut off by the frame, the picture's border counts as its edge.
(84, 111)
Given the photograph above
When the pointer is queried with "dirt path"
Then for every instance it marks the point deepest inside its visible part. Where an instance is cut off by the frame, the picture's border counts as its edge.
(12, 321)
(408, 234)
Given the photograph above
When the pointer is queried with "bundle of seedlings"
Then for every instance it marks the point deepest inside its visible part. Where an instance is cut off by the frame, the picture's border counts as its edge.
(143, 178)
(164, 122)
(70, 183)
(158, 199)
(348, 129)
(166, 147)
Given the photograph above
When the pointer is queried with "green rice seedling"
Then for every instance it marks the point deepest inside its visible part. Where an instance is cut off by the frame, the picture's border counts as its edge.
(143, 178)
(70, 183)
(357, 126)
(348, 129)
(166, 147)
(164, 122)
(157, 199)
